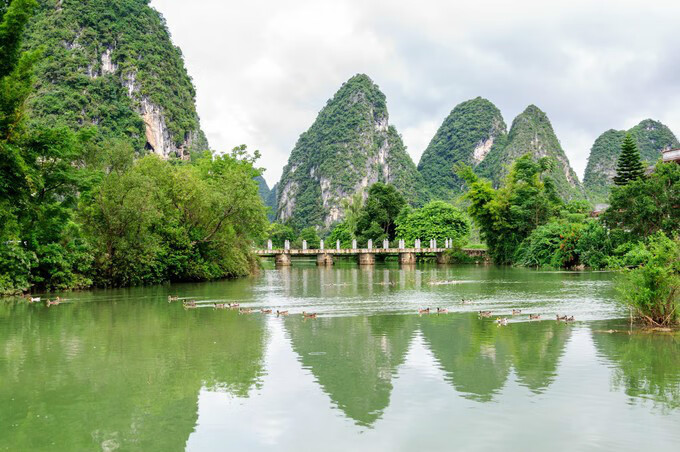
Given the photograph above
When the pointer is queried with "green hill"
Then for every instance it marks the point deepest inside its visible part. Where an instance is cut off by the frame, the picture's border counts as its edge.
(532, 132)
(349, 147)
(467, 135)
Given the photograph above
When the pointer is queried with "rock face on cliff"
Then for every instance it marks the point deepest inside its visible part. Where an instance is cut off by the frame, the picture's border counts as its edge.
(112, 64)
(349, 147)
(467, 135)
(652, 138)
(532, 133)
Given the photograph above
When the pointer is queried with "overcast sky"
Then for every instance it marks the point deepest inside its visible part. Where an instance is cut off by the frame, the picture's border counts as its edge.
(263, 69)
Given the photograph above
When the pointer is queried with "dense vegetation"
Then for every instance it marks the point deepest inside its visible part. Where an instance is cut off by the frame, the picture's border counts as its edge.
(532, 133)
(77, 209)
(349, 146)
(436, 220)
(651, 138)
(474, 125)
(105, 63)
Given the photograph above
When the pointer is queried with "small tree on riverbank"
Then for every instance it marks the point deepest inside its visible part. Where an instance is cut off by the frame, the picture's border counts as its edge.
(652, 290)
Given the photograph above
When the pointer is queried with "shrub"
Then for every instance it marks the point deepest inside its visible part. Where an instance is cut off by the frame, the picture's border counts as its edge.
(652, 290)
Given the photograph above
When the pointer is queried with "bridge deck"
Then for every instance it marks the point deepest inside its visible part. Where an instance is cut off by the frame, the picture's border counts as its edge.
(357, 251)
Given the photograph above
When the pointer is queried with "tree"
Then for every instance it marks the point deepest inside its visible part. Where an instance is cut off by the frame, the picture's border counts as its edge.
(629, 166)
(279, 233)
(647, 205)
(352, 206)
(436, 220)
(311, 236)
(508, 215)
(377, 218)
(341, 232)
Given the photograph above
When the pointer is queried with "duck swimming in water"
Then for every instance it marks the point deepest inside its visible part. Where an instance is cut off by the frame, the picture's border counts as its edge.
(534, 316)
(308, 315)
(281, 312)
(442, 311)
(423, 311)
(485, 314)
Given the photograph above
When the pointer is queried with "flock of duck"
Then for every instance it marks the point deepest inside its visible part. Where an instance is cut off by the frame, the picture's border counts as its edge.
(192, 304)
(499, 320)
(48, 302)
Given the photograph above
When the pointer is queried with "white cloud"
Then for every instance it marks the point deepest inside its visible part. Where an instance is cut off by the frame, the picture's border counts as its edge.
(263, 69)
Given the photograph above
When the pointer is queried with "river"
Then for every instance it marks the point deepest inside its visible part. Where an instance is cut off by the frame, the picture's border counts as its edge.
(126, 369)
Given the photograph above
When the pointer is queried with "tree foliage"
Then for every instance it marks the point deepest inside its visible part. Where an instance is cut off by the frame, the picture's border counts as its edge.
(436, 220)
(377, 220)
(647, 205)
(506, 216)
(629, 166)
(653, 289)
(151, 221)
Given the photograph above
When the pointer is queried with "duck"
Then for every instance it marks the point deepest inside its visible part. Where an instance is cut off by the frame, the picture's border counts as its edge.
(53, 303)
(190, 304)
(33, 299)
(466, 301)
(516, 311)
(534, 316)
(485, 313)
(281, 312)
(266, 311)
(172, 298)
(502, 321)
(423, 311)
(220, 306)
(308, 315)
(569, 319)
(234, 305)
(564, 317)
(245, 311)
(442, 311)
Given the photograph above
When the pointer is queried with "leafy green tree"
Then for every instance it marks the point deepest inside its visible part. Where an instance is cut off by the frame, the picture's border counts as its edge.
(151, 221)
(278, 233)
(436, 220)
(629, 166)
(352, 206)
(41, 172)
(506, 216)
(311, 236)
(378, 216)
(653, 289)
(341, 232)
(647, 205)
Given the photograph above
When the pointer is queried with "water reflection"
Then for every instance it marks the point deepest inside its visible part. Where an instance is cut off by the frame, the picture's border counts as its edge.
(353, 359)
(121, 374)
(646, 365)
(477, 355)
(124, 368)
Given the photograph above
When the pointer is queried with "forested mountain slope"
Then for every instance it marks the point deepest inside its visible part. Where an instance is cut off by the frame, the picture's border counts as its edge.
(112, 64)
(349, 147)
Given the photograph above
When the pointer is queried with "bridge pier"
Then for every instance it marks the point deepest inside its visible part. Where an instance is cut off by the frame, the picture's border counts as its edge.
(282, 260)
(407, 258)
(324, 259)
(443, 258)
(366, 259)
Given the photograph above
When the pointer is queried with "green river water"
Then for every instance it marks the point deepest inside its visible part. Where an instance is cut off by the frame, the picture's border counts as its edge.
(127, 370)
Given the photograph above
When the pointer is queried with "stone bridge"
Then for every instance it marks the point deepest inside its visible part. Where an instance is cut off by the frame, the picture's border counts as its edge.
(367, 256)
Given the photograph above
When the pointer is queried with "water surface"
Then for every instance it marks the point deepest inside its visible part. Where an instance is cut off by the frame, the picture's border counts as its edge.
(126, 370)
